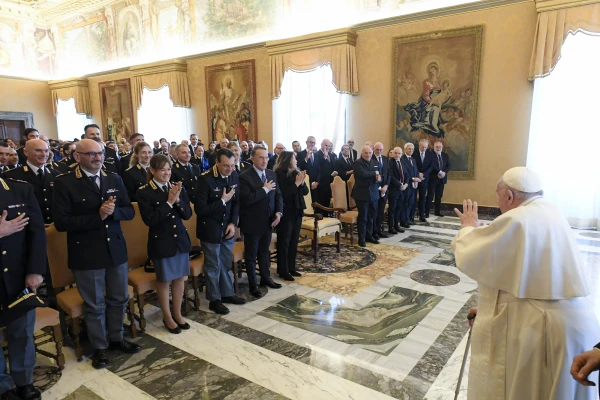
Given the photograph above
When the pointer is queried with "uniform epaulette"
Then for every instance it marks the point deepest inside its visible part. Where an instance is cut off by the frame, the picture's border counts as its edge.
(205, 172)
(142, 187)
(153, 185)
(73, 165)
(14, 180)
(177, 165)
(130, 167)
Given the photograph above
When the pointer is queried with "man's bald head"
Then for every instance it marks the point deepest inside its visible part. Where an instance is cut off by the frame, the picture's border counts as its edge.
(366, 153)
(36, 151)
(83, 155)
(378, 148)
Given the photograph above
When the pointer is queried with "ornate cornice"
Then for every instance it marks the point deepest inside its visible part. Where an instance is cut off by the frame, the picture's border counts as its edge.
(176, 65)
(549, 5)
(67, 83)
(314, 40)
(53, 13)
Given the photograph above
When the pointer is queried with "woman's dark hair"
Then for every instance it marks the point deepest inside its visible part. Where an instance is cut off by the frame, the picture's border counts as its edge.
(284, 162)
(157, 162)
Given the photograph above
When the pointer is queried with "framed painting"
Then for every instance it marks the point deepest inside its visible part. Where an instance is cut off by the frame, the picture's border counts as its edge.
(231, 101)
(436, 78)
(117, 110)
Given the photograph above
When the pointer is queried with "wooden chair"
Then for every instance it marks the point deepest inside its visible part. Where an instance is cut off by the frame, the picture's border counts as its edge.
(315, 226)
(67, 296)
(340, 200)
(136, 236)
(45, 318)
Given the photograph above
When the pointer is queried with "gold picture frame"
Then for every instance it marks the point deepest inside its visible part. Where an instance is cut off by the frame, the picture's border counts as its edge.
(117, 110)
(435, 94)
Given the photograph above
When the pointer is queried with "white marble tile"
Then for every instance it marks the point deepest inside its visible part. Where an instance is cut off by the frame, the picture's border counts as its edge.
(275, 372)
(109, 386)
(447, 380)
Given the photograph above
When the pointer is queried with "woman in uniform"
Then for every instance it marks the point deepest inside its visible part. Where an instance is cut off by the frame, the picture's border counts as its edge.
(136, 176)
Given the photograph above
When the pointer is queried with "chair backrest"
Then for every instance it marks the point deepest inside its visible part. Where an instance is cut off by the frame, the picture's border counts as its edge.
(338, 193)
(191, 224)
(58, 259)
(351, 202)
(136, 236)
(308, 197)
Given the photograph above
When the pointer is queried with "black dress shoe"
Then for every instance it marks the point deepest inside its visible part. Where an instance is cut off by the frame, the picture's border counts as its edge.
(437, 214)
(175, 330)
(375, 236)
(125, 347)
(392, 231)
(218, 307)
(27, 392)
(411, 223)
(269, 283)
(373, 240)
(426, 215)
(255, 292)
(287, 277)
(422, 219)
(362, 244)
(233, 300)
(405, 225)
(382, 234)
(185, 326)
(100, 359)
(296, 274)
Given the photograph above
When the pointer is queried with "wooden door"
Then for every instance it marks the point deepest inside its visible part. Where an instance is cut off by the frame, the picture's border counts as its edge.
(11, 129)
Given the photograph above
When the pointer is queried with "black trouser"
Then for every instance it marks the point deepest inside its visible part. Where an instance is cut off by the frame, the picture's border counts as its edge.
(367, 211)
(436, 187)
(396, 202)
(408, 204)
(323, 197)
(257, 246)
(378, 228)
(422, 190)
(288, 233)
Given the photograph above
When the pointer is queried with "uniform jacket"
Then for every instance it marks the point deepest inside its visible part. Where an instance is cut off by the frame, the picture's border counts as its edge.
(23, 252)
(188, 175)
(213, 215)
(257, 207)
(134, 178)
(92, 243)
(124, 163)
(41, 188)
(366, 187)
(167, 235)
(201, 163)
(111, 161)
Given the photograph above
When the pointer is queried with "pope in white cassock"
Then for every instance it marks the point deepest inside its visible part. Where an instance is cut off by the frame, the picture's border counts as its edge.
(533, 316)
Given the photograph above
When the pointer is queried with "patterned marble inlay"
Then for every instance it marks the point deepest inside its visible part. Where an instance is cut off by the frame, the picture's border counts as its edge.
(330, 261)
(379, 326)
(446, 257)
(83, 393)
(167, 372)
(353, 281)
(434, 277)
(45, 377)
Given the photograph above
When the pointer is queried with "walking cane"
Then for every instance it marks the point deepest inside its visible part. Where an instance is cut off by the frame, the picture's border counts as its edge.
(470, 317)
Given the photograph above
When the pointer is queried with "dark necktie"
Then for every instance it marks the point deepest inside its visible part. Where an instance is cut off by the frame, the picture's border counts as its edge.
(93, 178)
(401, 171)
(380, 164)
(422, 156)
(40, 174)
(348, 161)
(165, 189)
(440, 161)
(263, 177)
(409, 160)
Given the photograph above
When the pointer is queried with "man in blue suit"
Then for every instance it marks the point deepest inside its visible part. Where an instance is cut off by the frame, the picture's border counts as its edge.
(425, 159)
(412, 178)
(438, 178)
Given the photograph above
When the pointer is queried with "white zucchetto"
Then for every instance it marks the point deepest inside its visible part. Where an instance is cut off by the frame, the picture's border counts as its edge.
(522, 179)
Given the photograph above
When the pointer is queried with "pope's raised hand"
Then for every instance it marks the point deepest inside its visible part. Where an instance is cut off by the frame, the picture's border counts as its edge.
(468, 217)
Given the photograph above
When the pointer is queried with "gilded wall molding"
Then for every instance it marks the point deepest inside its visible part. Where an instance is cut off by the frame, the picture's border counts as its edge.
(68, 83)
(549, 5)
(314, 40)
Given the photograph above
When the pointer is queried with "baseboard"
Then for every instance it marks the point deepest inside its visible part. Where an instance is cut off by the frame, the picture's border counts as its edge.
(448, 210)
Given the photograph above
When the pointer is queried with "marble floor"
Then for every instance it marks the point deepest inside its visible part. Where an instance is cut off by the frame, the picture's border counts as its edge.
(384, 322)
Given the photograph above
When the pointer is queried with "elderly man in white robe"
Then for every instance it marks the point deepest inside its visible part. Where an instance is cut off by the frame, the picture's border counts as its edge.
(533, 316)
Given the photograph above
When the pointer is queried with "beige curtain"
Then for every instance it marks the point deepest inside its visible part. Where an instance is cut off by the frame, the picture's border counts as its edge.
(553, 26)
(309, 52)
(72, 88)
(154, 76)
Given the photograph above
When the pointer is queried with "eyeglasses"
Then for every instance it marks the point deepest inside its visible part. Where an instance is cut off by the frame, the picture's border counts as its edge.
(311, 142)
(93, 154)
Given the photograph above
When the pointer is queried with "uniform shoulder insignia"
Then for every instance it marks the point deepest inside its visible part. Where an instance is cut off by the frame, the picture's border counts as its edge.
(144, 186)
(14, 180)
(205, 172)
(63, 174)
(129, 168)
(139, 166)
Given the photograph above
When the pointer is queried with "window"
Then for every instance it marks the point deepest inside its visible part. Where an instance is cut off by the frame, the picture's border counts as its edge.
(69, 123)
(157, 117)
(563, 139)
(310, 105)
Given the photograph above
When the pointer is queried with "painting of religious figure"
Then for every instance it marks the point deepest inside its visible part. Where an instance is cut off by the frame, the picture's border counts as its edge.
(117, 110)
(231, 100)
(129, 38)
(436, 78)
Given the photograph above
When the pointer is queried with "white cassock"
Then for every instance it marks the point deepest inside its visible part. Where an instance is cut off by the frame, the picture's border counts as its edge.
(533, 315)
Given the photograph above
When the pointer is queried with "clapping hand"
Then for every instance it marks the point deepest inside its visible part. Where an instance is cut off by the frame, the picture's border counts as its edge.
(7, 228)
(469, 216)
(226, 196)
(300, 178)
(33, 281)
(107, 208)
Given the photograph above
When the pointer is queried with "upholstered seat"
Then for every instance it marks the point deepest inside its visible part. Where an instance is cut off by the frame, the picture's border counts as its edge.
(340, 200)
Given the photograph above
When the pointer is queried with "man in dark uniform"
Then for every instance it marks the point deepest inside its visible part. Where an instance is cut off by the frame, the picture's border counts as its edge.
(22, 263)
(133, 140)
(425, 160)
(217, 207)
(185, 172)
(68, 160)
(412, 178)
(111, 160)
(366, 194)
(13, 160)
(194, 144)
(36, 173)
(28, 134)
(4, 153)
(384, 170)
(89, 205)
(261, 210)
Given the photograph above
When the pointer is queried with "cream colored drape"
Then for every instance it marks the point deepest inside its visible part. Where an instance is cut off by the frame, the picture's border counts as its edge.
(311, 51)
(154, 76)
(72, 88)
(553, 25)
